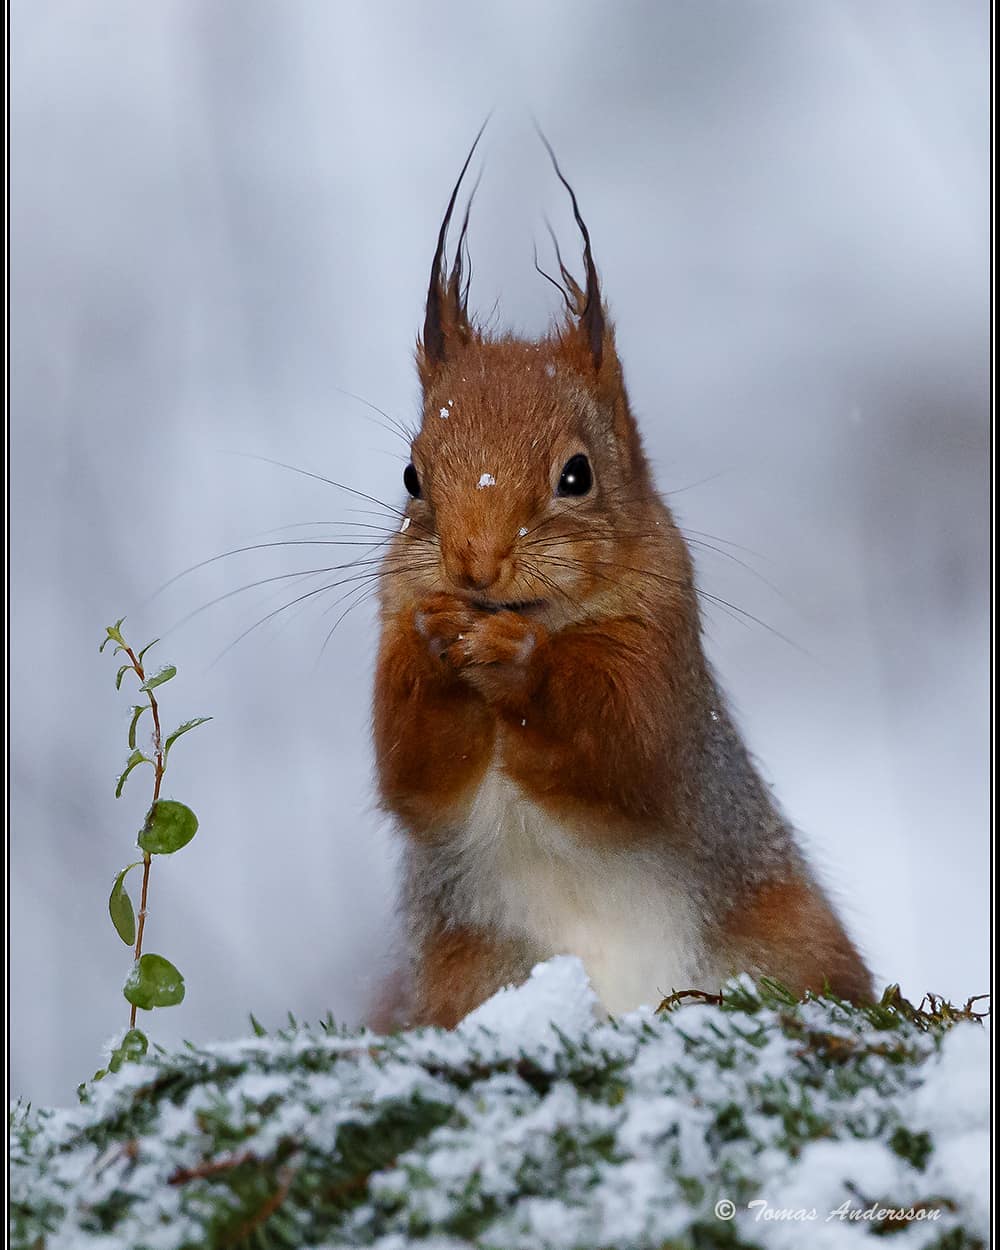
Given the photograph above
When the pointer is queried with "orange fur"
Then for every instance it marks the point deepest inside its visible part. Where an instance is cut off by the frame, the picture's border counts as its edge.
(788, 931)
(459, 969)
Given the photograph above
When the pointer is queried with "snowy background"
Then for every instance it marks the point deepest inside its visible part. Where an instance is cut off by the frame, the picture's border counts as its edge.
(222, 218)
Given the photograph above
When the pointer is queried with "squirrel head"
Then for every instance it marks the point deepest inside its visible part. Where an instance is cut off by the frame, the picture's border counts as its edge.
(528, 484)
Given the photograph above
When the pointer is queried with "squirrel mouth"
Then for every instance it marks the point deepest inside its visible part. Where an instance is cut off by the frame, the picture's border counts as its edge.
(524, 607)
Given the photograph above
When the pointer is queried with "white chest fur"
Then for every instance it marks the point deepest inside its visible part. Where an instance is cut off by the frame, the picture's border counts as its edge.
(522, 871)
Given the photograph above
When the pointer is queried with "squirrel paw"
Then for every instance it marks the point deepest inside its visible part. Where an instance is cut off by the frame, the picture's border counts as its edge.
(495, 657)
(443, 621)
(489, 650)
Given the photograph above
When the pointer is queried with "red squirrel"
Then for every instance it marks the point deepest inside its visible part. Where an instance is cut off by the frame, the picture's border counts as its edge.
(549, 736)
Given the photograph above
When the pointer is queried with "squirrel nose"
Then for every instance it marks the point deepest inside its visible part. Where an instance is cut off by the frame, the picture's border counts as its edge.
(474, 568)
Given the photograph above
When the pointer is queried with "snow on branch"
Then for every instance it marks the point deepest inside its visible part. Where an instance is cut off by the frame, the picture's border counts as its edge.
(756, 1120)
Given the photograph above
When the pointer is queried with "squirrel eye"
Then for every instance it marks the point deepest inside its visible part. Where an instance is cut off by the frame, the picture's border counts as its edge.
(411, 481)
(576, 478)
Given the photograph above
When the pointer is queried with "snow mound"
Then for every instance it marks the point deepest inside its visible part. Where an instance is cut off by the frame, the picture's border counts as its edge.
(536, 1125)
(555, 1003)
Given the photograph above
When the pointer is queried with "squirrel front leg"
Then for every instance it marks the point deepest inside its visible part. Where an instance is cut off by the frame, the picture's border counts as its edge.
(433, 734)
(586, 710)
(457, 967)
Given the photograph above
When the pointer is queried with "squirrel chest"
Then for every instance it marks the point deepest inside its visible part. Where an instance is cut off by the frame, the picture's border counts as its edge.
(524, 873)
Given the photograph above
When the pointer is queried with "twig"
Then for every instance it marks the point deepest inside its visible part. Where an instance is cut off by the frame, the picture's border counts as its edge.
(286, 1177)
(680, 996)
(211, 1167)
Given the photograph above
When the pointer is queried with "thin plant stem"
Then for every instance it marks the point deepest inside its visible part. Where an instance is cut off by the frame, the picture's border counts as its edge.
(158, 767)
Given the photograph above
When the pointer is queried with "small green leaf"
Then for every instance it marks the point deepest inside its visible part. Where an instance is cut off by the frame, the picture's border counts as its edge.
(113, 634)
(154, 982)
(134, 1044)
(121, 909)
(130, 1049)
(121, 673)
(169, 826)
(137, 711)
(182, 729)
(258, 1028)
(165, 674)
(146, 648)
(133, 761)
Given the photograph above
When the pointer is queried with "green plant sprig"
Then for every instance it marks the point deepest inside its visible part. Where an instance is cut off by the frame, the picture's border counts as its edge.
(169, 825)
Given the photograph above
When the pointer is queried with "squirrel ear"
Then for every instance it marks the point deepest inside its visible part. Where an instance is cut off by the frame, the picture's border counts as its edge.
(446, 320)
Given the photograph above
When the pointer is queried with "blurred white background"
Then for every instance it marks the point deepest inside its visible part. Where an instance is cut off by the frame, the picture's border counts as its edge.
(223, 214)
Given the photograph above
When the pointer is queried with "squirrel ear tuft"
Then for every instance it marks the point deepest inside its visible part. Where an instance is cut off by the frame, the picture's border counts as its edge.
(590, 339)
(446, 320)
